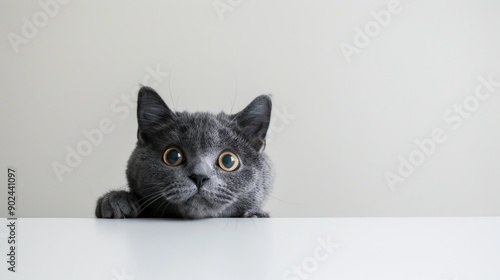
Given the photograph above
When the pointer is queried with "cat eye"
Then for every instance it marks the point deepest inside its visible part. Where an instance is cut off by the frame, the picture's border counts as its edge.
(229, 161)
(173, 157)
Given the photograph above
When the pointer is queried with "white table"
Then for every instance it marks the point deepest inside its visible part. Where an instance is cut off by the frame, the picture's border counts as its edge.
(362, 248)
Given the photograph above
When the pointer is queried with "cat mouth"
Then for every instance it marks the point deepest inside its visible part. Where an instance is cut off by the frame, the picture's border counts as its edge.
(205, 198)
(199, 199)
(209, 199)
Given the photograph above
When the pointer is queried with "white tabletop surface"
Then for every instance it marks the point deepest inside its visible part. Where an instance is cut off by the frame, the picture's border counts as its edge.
(359, 248)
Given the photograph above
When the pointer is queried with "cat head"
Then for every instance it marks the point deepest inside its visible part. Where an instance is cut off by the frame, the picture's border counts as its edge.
(197, 165)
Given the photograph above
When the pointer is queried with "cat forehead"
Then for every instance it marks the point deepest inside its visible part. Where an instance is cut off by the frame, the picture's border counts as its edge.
(202, 121)
(201, 131)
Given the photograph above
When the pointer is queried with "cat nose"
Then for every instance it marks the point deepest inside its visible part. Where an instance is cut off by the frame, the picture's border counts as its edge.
(198, 179)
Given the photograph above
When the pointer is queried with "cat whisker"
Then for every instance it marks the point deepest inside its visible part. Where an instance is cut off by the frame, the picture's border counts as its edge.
(154, 200)
(235, 94)
(174, 191)
(220, 197)
(283, 201)
(158, 208)
(177, 198)
(226, 191)
(177, 102)
(149, 198)
(170, 90)
(165, 208)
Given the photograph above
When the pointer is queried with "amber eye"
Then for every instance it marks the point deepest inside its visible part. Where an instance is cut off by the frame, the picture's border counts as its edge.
(173, 157)
(229, 161)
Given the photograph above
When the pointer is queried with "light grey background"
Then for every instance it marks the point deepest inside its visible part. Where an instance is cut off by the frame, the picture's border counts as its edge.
(340, 122)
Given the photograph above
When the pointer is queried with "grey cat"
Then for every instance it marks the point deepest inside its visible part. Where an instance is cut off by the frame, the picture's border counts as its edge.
(195, 165)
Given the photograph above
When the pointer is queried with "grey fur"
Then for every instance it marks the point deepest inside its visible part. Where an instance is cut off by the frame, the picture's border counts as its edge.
(158, 190)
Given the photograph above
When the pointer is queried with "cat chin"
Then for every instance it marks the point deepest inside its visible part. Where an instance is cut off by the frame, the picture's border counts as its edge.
(199, 207)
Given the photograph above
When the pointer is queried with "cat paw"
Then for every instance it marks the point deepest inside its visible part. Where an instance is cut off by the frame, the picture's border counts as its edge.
(116, 205)
(255, 214)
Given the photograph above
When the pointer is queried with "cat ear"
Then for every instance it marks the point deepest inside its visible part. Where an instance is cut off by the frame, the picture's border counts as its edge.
(254, 120)
(152, 112)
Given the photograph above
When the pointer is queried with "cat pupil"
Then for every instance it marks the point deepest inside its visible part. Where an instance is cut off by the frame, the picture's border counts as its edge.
(173, 157)
(228, 161)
